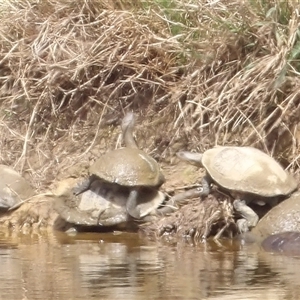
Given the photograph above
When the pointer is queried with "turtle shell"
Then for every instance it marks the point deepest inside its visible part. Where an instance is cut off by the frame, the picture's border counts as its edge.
(128, 167)
(247, 170)
(103, 204)
(13, 187)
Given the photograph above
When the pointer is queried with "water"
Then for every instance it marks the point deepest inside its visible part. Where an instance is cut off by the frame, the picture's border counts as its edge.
(107, 266)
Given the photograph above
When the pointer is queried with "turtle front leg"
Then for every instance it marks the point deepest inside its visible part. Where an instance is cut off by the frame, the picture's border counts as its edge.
(82, 186)
(131, 204)
(250, 218)
(206, 182)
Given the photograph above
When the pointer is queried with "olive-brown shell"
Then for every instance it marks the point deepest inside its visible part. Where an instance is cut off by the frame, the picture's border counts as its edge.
(249, 170)
(13, 187)
(283, 217)
(103, 204)
(128, 167)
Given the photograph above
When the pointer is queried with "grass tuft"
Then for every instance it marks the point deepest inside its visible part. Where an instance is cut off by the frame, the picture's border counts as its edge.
(197, 73)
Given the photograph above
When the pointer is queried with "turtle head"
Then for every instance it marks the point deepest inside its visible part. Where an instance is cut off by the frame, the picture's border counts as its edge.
(193, 158)
(127, 126)
(128, 121)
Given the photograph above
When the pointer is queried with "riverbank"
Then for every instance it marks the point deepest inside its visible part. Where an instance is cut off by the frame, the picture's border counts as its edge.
(195, 74)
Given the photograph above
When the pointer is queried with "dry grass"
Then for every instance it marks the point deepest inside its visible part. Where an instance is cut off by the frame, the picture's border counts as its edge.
(195, 221)
(198, 73)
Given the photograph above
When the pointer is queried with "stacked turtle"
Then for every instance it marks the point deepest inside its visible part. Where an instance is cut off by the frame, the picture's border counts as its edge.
(127, 167)
(247, 174)
(123, 185)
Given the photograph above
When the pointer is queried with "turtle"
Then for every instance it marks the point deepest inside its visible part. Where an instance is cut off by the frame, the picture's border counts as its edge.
(275, 230)
(282, 218)
(128, 167)
(249, 175)
(14, 189)
(104, 204)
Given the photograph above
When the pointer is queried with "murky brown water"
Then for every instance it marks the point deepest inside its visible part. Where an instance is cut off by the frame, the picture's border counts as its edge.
(106, 266)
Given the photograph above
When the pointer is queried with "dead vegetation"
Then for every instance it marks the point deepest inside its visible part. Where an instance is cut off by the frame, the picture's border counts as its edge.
(195, 221)
(197, 73)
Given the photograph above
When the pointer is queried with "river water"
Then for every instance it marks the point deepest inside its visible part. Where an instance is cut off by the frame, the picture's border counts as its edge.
(124, 266)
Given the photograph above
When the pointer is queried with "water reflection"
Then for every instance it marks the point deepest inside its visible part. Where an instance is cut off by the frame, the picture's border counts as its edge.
(106, 266)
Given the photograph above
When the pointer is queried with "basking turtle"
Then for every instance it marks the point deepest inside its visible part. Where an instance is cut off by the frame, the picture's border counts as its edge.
(282, 218)
(249, 174)
(128, 167)
(14, 189)
(104, 204)
(279, 229)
